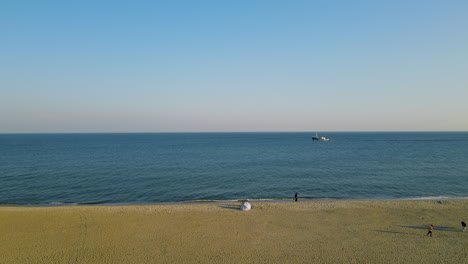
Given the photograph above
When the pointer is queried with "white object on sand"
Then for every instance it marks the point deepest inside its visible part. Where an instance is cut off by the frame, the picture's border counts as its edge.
(245, 206)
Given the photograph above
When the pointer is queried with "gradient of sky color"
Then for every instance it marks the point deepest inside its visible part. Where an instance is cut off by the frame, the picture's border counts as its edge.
(181, 66)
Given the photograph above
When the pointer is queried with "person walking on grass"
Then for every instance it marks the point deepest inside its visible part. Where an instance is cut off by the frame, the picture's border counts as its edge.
(463, 226)
(429, 231)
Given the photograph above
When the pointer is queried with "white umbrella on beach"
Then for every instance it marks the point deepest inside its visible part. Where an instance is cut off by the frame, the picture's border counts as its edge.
(245, 206)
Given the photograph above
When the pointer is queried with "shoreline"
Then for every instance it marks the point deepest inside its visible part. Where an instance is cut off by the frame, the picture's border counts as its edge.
(261, 200)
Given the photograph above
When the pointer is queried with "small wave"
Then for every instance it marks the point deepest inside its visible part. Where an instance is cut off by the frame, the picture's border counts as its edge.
(199, 201)
(57, 204)
(437, 198)
(91, 203)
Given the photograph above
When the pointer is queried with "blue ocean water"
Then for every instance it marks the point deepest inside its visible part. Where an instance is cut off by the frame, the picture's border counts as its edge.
(171, 167)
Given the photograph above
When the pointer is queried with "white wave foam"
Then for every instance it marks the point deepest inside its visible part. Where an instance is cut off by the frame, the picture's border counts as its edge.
(438, 198)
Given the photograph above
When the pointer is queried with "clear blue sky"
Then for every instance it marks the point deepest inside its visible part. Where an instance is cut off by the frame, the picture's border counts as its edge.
(180, 66)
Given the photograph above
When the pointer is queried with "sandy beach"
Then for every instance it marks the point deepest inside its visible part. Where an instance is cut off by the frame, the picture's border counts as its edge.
(281, 232)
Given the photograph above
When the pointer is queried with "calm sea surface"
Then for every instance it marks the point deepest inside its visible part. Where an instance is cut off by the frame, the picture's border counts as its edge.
(149, 168)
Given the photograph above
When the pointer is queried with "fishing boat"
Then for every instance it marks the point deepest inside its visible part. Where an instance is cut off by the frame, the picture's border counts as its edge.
(317, 138)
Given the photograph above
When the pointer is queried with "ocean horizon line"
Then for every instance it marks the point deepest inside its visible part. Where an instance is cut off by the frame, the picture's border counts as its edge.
(237, 132)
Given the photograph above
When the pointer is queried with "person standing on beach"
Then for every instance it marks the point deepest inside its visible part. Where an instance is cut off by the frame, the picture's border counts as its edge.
(463, 226)
(429, 232)
(295, 197)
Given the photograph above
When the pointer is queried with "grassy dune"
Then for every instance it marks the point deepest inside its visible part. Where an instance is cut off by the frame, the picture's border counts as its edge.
(303, 232)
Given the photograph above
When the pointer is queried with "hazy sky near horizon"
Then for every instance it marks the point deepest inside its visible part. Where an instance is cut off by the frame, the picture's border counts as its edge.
(181, 66)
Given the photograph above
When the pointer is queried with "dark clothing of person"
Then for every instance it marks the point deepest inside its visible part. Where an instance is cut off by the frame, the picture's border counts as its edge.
(429, 232)
(295, 197)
